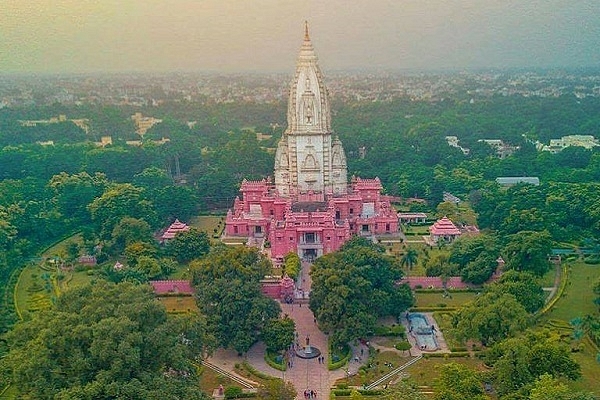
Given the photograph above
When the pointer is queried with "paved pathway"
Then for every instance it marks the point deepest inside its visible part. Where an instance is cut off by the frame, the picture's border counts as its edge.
(304, 374)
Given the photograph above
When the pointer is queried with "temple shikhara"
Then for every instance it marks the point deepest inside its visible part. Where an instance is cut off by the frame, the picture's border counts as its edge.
(309, 208)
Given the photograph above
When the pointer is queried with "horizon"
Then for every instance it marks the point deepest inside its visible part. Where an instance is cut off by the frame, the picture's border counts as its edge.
(85, 37)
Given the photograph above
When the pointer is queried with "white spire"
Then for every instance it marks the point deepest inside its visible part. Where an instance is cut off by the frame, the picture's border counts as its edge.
(308, 106)
(308, 158)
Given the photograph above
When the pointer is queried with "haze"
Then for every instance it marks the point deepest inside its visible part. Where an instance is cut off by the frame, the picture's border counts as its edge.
(264, 35)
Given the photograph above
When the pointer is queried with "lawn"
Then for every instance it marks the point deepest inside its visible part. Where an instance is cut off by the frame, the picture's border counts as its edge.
(425, 371)
(213, 225)
(60, 248)
(179, 304)
(577, 301)
(377, 368)
(34, 291)
(548, 279)
(210, 380)
(578, 298)
(435, 299)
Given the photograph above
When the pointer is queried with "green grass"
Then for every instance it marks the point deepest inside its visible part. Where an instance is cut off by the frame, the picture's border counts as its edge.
(548, 279)
(425, 371)
(32, 293)
(60, 248)
(378, 368)
(578, 297)
(208, 224)
(179, 304)
(590, 380)
(456, 299)
(577, 301)
(10, 393)
(210, 380)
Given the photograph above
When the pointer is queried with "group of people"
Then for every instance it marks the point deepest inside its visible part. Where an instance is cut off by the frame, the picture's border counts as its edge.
(310, 394)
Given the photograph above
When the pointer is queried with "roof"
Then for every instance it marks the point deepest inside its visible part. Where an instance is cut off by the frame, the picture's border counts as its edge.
(412, 215)
(174, 229)
(444, 227)
(513, 180)
(172, 287)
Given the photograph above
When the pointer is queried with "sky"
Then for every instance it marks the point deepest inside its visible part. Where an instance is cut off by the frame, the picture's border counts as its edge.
(78, 36)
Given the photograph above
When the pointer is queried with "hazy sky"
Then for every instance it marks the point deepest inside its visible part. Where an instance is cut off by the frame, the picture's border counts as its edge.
(265, 35)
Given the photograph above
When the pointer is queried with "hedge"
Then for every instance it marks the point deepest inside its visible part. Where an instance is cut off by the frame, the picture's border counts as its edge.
(270, 360)
(339, 364)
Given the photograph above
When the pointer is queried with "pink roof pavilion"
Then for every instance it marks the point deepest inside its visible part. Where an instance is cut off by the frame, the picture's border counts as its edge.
(444, 229)
(174, 229)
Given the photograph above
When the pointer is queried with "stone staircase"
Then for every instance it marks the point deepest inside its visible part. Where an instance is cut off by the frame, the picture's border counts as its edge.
(392, 373)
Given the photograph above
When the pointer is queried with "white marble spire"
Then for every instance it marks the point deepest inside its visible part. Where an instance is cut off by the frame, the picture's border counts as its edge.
(308, 158)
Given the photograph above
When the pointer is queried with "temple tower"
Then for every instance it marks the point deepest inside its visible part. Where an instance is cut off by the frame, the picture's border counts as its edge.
(309, 157)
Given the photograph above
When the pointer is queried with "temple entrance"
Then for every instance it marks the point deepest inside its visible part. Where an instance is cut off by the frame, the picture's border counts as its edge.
(309, 255)
(258, 231)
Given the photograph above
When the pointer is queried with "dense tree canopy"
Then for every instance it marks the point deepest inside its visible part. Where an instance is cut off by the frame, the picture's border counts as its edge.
(519, 361)
(528, 251)
(189, 245)
(458, 382)
(106, 341)
(351, 288)
(491, 317)
(228, 287)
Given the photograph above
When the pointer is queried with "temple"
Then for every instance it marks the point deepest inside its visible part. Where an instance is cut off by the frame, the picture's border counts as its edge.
(310, 208)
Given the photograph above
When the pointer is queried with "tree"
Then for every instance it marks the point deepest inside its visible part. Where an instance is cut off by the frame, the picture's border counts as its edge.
(351, 288)
(276, 389)
(547, 387)
(529, 251)
(106, 341)
(458, 382)
(519, 361)
(409, 259)
(130, 230)
(523, 286)
(278, 334)
(491, 317)
(74, 192)
(189, 245)
(291, 265)
(229, 294)
(117, 202)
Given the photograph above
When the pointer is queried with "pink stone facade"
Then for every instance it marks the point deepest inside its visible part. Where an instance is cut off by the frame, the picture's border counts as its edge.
(310, 228)
(309, 208)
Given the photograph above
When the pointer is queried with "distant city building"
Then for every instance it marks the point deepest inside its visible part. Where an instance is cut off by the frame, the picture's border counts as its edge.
(557, 145)
(310, 209)
(412, 218)
(453, 142)
(502, 149)
(513, 180)
(80, 123)
(450, 198)
(142, 123)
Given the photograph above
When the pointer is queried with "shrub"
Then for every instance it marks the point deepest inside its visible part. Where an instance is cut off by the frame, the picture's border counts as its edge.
(233, 392)
(275, 360)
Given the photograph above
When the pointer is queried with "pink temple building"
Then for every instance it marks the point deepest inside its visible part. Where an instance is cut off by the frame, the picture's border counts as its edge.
(310, 208)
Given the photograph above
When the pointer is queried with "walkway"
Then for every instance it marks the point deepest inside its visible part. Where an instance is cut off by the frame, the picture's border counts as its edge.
(304, 374)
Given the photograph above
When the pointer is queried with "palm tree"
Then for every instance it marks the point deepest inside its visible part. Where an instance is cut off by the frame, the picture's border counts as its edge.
(409, 259)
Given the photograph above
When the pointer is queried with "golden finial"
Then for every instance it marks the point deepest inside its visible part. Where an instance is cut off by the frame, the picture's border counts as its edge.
(306, 37)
